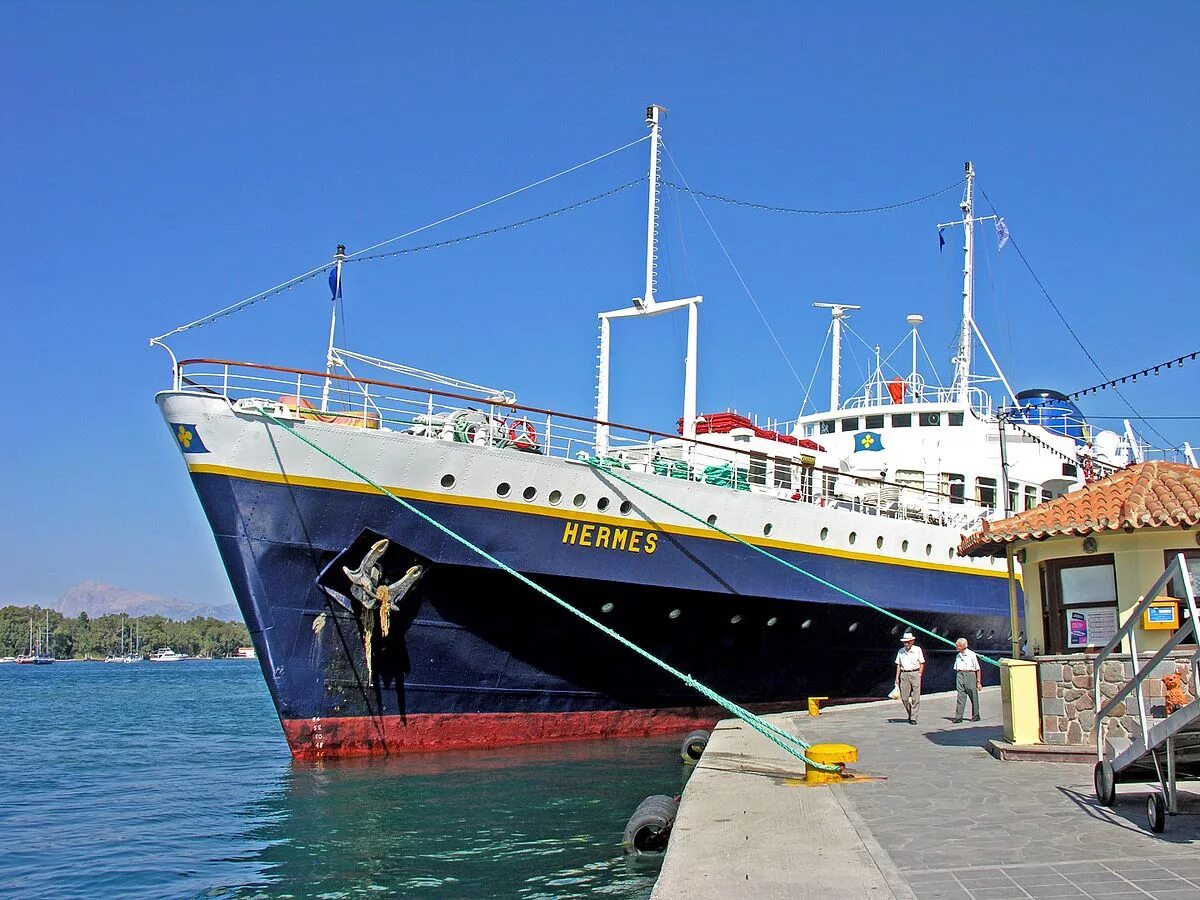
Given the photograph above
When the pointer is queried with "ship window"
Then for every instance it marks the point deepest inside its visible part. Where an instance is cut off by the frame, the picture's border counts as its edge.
(1030, 496)
(758, 470)
(734, 620)
(955, 486)
(503, 488)
(985, 492)
(626, 506)
(529, 493)
(607, 607)
(949, 553)
(879, 542)
(602, 504)
(824, 533)
(674, 614)
(741, 438)
(929, 420)
(1014, 496)
(579, 500)
(447, 481)
(929, 549)
(827, 426)
(767, 529)
(955, 419)
(853, 626)
(555, 498)
(1046, 496)
(904, 545)
(913, 478)
(712, 520)
(771, 621)
(783, 474)
(1070, 470)
(874, 421)
(806, 623)
(853, 536)
(902, 420)
(850, 424)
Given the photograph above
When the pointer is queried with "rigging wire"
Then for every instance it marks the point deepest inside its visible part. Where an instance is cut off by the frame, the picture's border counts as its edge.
(501, 228)
(813, 378)
(324, 267)
(720, 198)
(1067, 324)
(733, 266)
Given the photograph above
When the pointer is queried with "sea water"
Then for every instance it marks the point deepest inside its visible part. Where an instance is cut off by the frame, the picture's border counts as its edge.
(173, 780)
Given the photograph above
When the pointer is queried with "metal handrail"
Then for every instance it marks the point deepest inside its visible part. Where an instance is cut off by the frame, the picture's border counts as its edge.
(1176, 571)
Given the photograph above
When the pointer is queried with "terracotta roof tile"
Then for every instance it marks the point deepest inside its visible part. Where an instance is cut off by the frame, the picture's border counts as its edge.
(1147, 495)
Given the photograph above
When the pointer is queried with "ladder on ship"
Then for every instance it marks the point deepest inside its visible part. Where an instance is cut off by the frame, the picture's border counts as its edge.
(1164, 748)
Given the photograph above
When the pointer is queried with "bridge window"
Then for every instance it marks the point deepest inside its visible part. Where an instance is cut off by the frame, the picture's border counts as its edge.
(851, 424)
(929, 420)
(827, 426)
(874, 421)
(955, 419)
(985, 492)
(902, 420)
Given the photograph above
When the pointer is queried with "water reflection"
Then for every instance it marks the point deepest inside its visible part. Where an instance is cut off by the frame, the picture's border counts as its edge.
(534, 822)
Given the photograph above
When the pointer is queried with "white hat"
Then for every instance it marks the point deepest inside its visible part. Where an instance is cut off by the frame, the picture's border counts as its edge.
(907, 636)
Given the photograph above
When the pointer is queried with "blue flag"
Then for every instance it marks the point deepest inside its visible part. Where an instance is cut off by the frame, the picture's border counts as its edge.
(941, 240)
(335, 286)
(1001, 233)
(868, 440)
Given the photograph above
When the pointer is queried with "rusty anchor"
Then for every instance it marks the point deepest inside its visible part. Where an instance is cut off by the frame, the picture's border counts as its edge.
(367, 587)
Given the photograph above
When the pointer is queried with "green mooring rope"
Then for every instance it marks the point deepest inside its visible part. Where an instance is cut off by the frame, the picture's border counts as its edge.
(785, 741)
(596, 464)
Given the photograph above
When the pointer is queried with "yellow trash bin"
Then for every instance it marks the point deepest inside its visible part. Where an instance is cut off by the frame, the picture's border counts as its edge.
(1019, 696)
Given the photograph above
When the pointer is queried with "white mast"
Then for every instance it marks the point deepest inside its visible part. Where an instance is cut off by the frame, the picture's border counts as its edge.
(963, 375)
(914, 320)
(652, 114)
(330, 358)
(838, 311)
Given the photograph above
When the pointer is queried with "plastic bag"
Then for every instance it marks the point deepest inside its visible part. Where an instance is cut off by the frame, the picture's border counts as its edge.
(895, 694)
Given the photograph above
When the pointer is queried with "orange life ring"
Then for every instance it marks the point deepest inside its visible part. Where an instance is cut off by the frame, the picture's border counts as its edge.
(523, 435)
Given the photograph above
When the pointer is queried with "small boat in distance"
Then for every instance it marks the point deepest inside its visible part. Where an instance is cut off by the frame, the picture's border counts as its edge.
(134, 652)
(166, 654)
(38, 654)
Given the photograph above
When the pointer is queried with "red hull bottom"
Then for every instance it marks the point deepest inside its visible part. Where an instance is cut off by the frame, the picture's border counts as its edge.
(319, 738)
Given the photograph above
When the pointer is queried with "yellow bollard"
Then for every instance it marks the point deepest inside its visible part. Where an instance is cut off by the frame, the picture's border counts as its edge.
(830, 754)
(814, 705)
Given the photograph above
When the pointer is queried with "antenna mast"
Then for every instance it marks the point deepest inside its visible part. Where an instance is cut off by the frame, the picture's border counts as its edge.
(838, 311)
(330, 358)
(652, 115)
(963, 376)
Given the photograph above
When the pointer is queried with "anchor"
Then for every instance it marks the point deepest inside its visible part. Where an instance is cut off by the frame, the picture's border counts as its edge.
(368, 588)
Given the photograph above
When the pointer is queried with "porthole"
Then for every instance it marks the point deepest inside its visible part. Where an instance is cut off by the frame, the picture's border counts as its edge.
(929, 549)
(991, 634)
(503, 488)
(853, 536)
(673, 614)
(602, 504)
(579, 500)
(1021, 636)
(626, 506)
(806, 623)
(712, 520)
(555, 498)
(767, 529)
(607, 607)
(895, 629)
(853, 627)
(529, 493)
(447, 481)
(1008, 637)
(879, 543)
(978, 633)
(771, 621)
(824, 533)
(904, 545)
(735, 620)
(950, 553)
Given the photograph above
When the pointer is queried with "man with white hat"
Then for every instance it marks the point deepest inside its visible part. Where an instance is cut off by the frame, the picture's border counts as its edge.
(910, 666)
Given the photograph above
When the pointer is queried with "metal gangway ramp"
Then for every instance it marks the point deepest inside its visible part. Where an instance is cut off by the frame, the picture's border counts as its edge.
(1168, 747)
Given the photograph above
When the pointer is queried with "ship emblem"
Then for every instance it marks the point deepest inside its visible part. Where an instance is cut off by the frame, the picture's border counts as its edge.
(867, 440)
(188, 438)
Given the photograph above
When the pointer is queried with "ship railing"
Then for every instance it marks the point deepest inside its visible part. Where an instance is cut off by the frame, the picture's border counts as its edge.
(788, 472)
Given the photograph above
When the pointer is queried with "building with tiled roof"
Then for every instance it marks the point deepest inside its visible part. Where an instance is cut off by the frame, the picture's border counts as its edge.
(1148, 495)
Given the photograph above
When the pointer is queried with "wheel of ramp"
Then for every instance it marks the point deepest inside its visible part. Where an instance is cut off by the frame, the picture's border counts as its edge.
(1156, 812)
(830, 754)
(1106, 783)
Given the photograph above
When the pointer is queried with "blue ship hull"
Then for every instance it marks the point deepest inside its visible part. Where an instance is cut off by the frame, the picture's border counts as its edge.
(476, 658)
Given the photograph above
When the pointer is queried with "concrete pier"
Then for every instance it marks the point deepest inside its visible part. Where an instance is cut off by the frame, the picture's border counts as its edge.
(947, 821)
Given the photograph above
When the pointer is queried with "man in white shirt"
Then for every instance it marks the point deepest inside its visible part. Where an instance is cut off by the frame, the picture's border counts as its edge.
(968, 679)
(910, 666)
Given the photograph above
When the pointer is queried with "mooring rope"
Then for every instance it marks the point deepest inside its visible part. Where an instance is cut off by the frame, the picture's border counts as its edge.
(600, 466)
(790, 743)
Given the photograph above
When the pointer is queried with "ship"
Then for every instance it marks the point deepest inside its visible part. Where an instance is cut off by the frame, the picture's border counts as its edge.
(385, 627)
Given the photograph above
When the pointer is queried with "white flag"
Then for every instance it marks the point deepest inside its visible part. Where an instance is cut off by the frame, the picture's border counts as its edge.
(1001, 233)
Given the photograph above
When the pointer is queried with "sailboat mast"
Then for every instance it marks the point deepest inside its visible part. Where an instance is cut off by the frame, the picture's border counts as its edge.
(963, 379)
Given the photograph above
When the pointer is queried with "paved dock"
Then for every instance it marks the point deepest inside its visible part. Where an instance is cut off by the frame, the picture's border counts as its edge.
(946, 821)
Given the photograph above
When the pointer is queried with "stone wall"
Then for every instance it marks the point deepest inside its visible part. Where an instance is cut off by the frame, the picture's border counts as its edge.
(1068, 704)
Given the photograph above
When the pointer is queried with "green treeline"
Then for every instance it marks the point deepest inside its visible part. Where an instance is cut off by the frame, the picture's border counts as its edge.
(85, 637)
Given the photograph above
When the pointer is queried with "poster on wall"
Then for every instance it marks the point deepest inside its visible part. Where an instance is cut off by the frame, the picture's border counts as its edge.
(1090, 626)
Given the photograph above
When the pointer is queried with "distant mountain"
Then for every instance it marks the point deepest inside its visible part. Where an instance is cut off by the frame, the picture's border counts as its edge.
(98, 599)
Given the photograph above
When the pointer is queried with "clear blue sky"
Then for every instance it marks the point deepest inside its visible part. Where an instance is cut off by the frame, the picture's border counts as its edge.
(162, 160)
